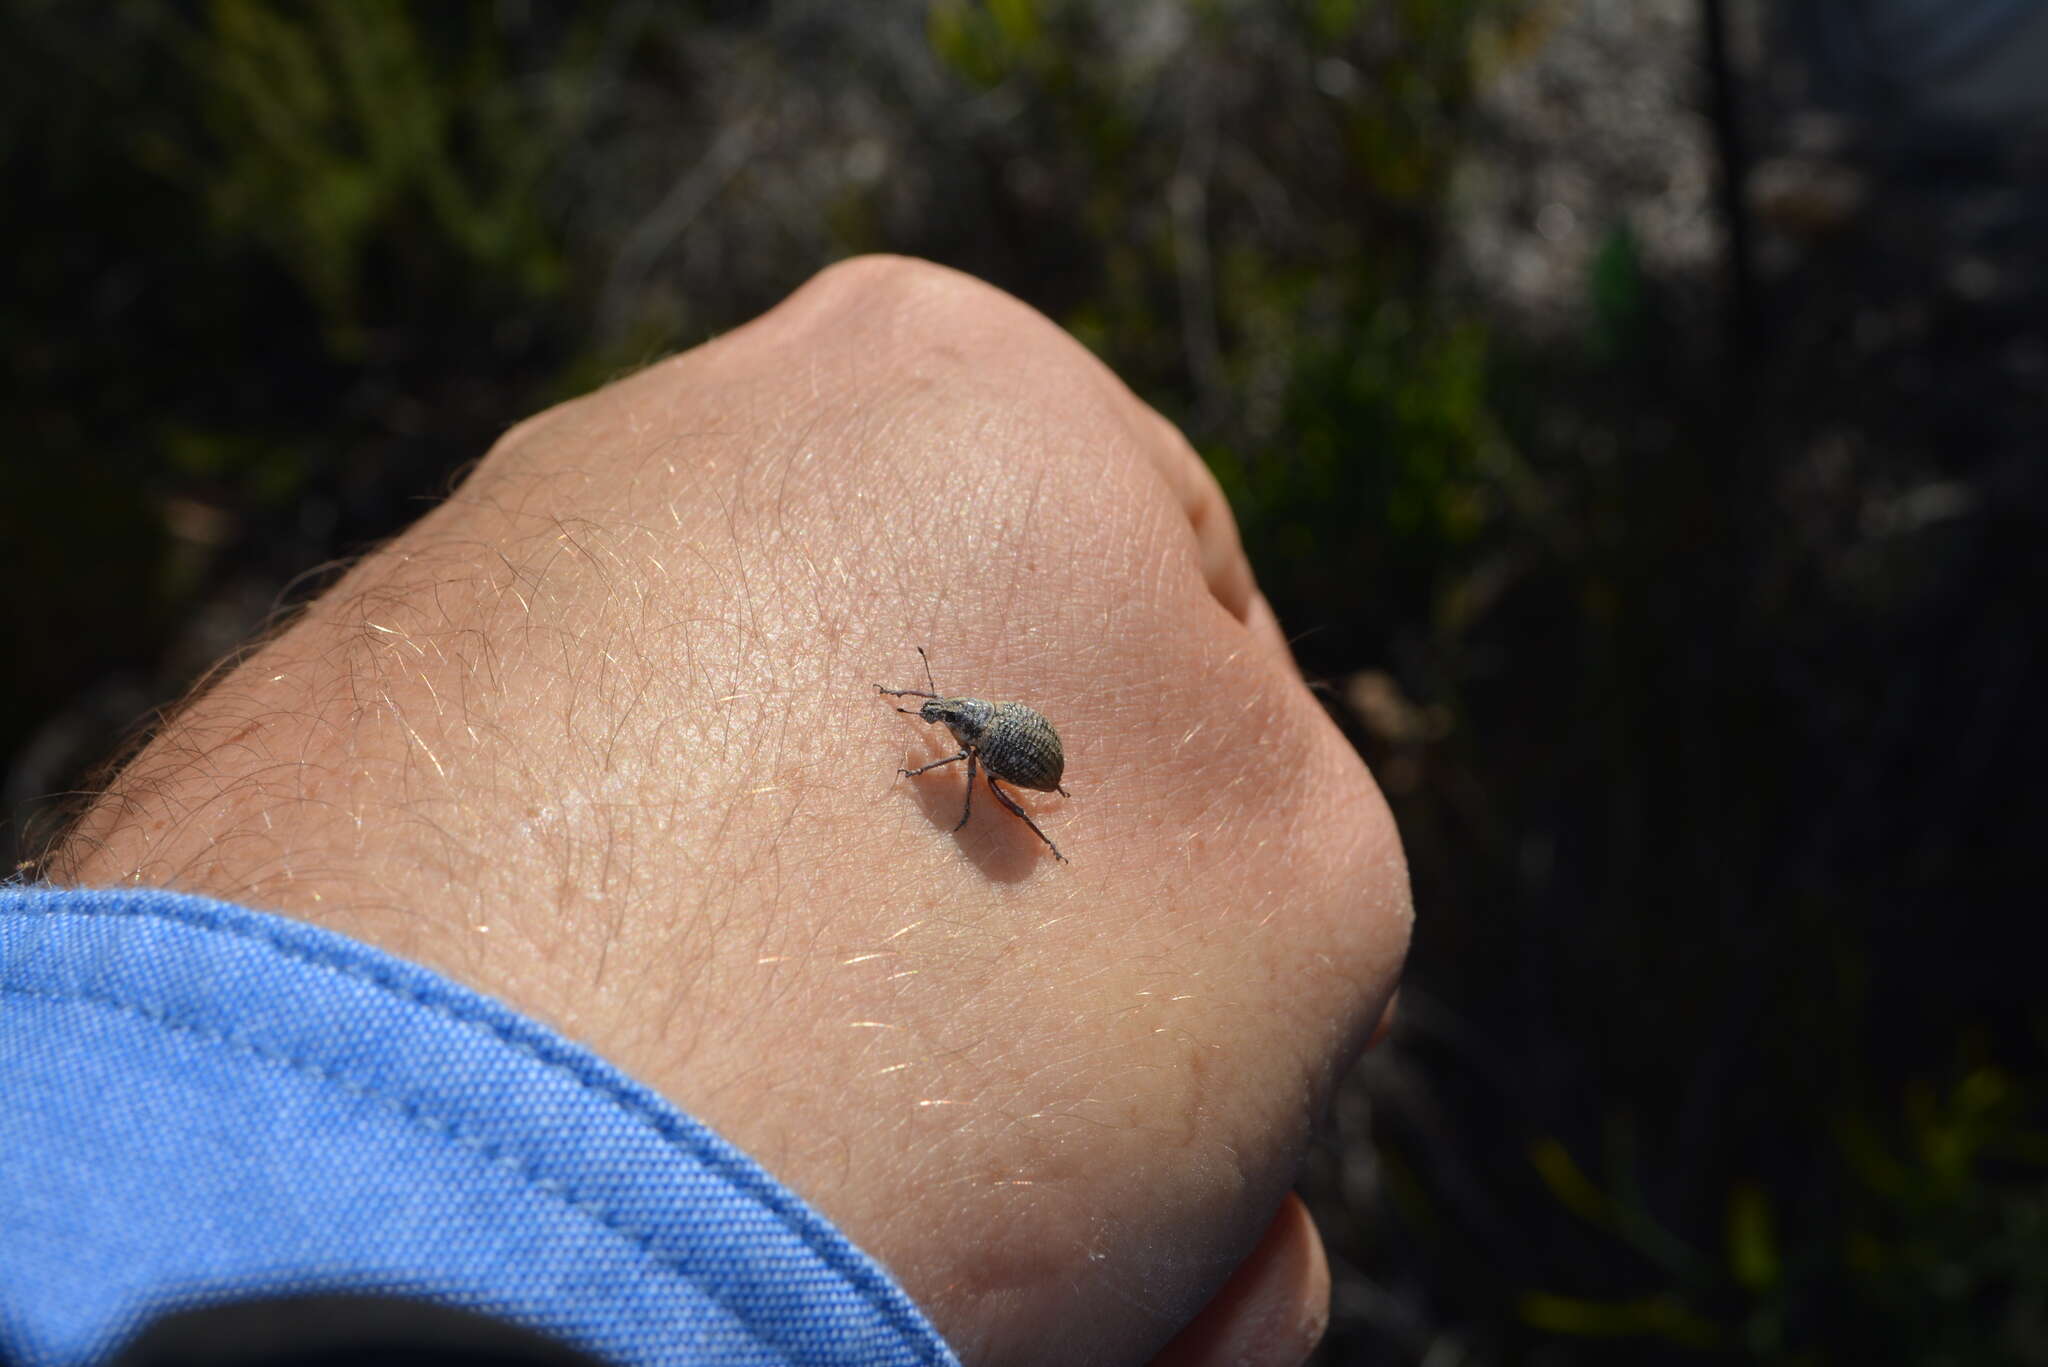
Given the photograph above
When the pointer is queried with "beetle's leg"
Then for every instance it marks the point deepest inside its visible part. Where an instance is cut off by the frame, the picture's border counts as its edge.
(913, 773)
(1005, 799)
(904, 693)
(968, 810)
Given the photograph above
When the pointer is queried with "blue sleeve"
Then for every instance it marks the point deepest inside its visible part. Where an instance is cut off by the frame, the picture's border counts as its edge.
(199, 1103)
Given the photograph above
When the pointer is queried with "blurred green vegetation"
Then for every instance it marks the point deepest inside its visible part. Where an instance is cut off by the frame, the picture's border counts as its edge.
(1708, 787)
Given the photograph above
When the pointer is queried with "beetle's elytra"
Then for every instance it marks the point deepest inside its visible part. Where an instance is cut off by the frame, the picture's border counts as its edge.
(1007, 740)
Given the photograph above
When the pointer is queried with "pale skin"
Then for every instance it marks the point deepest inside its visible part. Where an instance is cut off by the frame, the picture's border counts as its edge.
(598, 735)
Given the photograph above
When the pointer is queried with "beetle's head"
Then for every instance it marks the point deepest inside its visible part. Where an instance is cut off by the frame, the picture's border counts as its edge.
(966, 718)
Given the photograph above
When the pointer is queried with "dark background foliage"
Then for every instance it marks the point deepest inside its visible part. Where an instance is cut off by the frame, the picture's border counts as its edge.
(1643, 432)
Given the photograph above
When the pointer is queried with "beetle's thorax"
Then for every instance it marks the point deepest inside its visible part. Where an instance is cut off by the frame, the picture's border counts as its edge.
(966, 718)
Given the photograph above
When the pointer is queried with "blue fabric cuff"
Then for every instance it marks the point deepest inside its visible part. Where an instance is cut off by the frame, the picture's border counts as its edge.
(199, 1102)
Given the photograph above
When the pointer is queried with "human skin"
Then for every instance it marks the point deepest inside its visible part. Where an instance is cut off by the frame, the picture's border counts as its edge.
(599, 735)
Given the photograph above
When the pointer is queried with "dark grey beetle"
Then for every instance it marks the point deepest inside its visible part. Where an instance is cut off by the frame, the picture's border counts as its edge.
(1010, 741)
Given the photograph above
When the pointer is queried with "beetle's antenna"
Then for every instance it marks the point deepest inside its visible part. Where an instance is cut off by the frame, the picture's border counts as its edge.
(928, 670)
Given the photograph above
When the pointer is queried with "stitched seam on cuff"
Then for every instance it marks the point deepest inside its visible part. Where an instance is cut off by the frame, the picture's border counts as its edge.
(410, 1110)
(205, 915)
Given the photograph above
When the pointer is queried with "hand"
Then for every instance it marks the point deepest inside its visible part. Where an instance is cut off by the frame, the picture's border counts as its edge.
(599, 735)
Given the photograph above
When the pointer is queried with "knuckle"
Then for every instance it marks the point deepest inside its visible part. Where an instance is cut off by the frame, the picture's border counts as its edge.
(891, 288)
(885, 274)
(896, 300)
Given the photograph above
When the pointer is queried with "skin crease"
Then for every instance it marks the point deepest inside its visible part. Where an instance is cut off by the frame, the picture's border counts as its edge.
(599, 735)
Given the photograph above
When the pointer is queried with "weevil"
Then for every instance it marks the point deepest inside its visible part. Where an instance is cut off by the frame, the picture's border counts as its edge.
(1007, 740)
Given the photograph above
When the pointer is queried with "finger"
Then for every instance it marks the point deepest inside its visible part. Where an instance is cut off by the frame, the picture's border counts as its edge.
(1224, 566)
(1273, 1310)
(1386, 1022)
(1265, 627)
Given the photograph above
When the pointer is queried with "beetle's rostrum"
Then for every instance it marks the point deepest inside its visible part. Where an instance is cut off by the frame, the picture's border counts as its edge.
(1005, 740)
